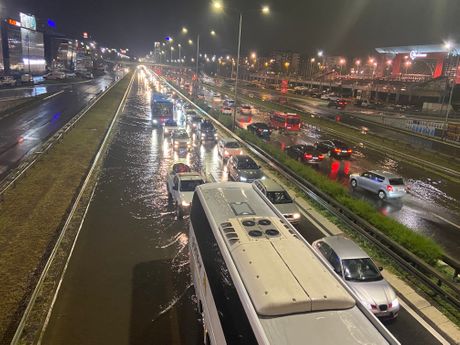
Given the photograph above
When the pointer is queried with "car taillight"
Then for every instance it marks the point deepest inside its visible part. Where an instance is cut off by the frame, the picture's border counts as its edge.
(373, 306)
(226, 152)
(308, 156)
(389, 188)
(320, 156)
(337, 150)
(349, 150)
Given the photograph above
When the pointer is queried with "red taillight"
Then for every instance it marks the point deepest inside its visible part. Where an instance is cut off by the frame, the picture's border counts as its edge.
(349, 150)
(373, 306)
(308, 156)
(337, 150)
(320, 156)
(389, 188)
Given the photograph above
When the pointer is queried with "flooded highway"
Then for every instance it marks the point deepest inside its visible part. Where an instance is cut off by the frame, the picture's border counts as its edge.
(128, 280)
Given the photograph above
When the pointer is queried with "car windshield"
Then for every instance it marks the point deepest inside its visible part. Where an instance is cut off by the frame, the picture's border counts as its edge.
(293, 120)
(360, 270)
(232, 145)
(181, 135)
(396, 181)
(189, 186)
(247, 163)
(280, 197)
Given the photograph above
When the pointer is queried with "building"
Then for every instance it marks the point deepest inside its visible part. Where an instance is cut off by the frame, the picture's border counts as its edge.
(23, 46)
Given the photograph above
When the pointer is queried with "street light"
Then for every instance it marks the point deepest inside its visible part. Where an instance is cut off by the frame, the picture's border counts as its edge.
(184, 30)
(190, 42)
(449, 46)
(213, 33)
(218, 6)
(179, 46)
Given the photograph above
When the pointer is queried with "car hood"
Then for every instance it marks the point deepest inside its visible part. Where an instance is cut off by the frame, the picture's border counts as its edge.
(186, 196)
(379, 292)
(252, 173)
(287, 208)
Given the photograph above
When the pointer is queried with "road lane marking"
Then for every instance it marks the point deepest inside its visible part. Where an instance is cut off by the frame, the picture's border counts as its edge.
(53, 95)
(422, 322)
(446, 220)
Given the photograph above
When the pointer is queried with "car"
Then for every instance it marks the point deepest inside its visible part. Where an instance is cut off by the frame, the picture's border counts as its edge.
(246, 110)
(216, 98)
(7, 81)
(55, 75)
(338, 103)
(385, 184)
(180, 139)
(227, 111)
(228, 147)
(304, 153)
(260, 129)
(335, 148)
(229, 103)
(206, 131)
(181, 184)
(242, 168)
(280, 198)
(190, 112)
(194, 121)
(360, 273)
(169, 126)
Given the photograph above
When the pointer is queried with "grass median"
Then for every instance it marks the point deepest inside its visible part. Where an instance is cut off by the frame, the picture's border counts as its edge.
(33, 212)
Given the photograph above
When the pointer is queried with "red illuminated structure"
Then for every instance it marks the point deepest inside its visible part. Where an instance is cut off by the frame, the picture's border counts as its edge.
(437, 55)
(285, 121)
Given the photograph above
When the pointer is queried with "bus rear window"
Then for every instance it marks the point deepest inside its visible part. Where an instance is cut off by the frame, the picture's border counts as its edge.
(293, 121)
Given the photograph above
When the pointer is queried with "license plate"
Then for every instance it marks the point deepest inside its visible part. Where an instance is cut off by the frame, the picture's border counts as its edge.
(315, 158)
(344, 151)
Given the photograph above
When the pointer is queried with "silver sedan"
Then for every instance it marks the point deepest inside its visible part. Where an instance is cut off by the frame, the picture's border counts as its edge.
(360, 273)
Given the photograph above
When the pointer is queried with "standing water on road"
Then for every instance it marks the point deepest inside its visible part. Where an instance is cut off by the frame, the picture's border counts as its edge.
(128, 281)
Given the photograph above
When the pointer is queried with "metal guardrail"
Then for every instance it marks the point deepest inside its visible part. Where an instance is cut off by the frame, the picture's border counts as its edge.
(408, 261)
(10, 179)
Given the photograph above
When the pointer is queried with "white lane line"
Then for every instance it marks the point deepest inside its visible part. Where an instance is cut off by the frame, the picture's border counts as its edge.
(446, 220)
(422, 322)
(53, 95)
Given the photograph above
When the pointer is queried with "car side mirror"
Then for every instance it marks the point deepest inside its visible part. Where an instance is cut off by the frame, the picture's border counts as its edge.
(380, 268)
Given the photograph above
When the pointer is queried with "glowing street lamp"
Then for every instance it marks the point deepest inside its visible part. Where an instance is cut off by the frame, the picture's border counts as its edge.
(218, 6)
(184, 30)
(213, 33)
(190, 42)
(320, 53)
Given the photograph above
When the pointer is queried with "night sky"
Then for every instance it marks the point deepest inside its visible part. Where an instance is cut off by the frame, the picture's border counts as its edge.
(348, 27)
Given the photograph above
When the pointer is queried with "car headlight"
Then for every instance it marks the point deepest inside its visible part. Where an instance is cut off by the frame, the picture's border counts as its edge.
(155, 121)
(241, 152)
(296, 215)
(203, 135)
(243, 179)
(395, 303)
(185, 203)
(263, 178)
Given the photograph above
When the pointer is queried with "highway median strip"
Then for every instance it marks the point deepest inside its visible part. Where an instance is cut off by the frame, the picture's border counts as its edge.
(33, 212)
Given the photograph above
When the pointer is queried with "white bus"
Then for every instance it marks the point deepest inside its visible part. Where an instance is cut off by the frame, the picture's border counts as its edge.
(258, 281)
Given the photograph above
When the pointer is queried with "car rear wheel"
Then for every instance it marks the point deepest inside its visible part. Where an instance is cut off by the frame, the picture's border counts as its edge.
(354, 183)
(382, 195)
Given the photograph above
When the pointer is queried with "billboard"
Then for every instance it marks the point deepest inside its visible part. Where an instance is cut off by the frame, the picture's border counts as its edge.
(28, 21)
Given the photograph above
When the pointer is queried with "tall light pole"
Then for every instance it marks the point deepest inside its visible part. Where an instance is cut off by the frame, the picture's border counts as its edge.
(453, 52)
(179, 46)
(218, 6)
(312, 61)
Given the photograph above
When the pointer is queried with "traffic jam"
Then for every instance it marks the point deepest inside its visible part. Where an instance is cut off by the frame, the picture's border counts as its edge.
(190, 130)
